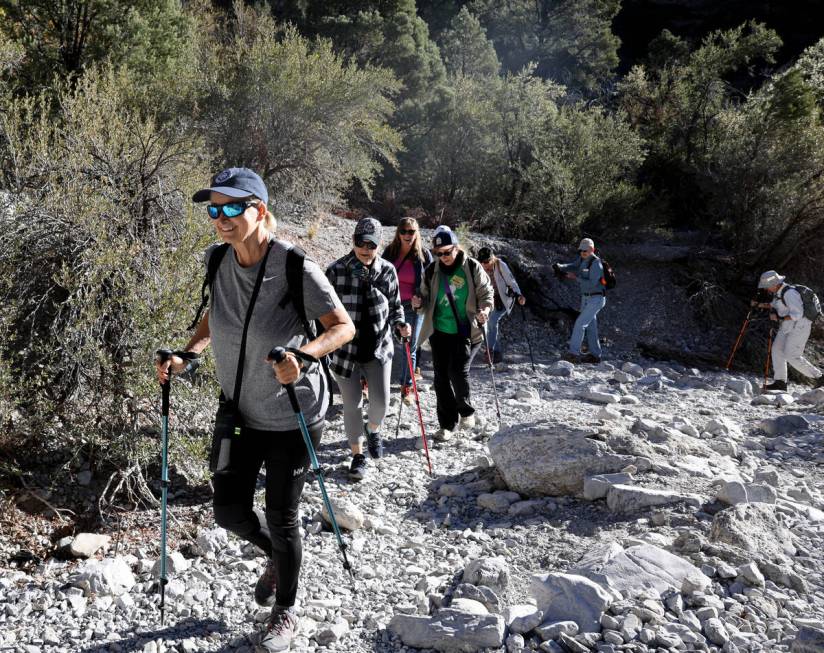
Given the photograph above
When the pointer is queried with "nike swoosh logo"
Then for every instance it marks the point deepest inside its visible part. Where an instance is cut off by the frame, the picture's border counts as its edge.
(270, 278)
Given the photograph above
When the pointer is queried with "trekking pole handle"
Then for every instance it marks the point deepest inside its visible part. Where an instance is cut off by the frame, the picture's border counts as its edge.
(278, 355)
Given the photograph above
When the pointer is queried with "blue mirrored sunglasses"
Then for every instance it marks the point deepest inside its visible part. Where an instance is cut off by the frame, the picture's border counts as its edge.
(230, 209)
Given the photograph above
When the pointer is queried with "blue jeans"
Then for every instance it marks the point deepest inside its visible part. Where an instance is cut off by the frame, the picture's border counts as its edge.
(416, 322)
(587, 322)
(492, 328)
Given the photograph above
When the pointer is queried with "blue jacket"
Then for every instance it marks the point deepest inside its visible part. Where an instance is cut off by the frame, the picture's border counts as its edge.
(588, 273)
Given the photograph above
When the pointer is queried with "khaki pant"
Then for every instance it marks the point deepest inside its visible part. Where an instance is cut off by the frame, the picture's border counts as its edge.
(788, 349)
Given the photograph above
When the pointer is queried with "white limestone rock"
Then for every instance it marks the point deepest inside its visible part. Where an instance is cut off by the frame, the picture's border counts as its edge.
(570, 597)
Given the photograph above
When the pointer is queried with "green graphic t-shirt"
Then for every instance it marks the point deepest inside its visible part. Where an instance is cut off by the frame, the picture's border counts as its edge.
(444, 318)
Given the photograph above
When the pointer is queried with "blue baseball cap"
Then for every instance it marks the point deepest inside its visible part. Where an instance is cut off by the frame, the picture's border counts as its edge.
(234, 182)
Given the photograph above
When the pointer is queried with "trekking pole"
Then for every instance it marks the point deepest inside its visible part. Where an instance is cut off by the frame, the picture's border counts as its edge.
(492, 372)
(162, 356)
(526, 333)
(738, 340)
(278, 354)
(417, 402)
(400, 410)
(769, 355)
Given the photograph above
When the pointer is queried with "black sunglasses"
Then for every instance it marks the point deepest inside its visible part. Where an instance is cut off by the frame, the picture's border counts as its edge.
(368, 244)
(407, 232)
(230, 209)
(446, 252)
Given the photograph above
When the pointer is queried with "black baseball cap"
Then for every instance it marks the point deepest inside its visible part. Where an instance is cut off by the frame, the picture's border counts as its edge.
(234, 182)
(484, 254)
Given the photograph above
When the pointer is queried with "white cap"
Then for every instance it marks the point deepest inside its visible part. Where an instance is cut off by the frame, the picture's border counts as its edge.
(586, 243)
(769, 279)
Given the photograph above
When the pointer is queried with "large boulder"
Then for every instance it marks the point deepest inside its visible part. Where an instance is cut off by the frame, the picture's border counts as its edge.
(808, 640)
(637, 569)
(752, 527)
(452, 631)
(546, 458)
(570, 597)
(630, 498)
(784, 424)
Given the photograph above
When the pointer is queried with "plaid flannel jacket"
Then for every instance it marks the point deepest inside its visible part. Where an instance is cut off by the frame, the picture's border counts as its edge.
(383, 303)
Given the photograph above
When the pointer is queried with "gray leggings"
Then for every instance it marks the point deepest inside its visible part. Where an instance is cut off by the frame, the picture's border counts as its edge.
(377, 376)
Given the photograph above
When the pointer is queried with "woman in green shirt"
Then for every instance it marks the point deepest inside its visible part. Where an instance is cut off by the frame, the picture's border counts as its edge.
(455, 300)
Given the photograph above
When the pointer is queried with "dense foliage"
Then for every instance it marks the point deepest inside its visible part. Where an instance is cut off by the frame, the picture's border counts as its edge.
(511, 116)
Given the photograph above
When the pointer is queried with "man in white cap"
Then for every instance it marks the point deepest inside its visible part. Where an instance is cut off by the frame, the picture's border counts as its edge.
(788, 346)
(589, 272)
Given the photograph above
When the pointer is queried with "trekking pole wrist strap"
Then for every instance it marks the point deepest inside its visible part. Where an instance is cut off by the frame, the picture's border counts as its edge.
(302, 356)
(192, 358)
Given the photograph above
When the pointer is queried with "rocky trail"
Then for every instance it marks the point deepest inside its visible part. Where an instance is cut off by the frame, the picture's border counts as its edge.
(635, 505)
(622, 507)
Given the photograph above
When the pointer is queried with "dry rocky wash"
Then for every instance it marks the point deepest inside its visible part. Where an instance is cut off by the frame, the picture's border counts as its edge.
(629, 506)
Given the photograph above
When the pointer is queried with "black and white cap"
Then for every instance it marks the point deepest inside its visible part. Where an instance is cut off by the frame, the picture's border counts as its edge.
(443, 236)
(368, 229)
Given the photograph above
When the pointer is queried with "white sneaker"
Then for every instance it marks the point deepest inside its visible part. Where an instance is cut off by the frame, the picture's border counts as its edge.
(468, 422)
(442, 435)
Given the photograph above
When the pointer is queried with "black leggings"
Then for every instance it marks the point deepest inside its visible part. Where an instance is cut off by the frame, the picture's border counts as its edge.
(287, 462)
(451, 357)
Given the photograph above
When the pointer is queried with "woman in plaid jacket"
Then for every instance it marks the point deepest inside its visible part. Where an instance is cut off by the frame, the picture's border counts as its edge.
(368, 288)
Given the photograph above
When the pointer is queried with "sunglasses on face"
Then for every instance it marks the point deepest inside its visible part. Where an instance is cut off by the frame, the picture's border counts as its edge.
(445, 252)
(407, 232)
(230, 209)
(368, 244)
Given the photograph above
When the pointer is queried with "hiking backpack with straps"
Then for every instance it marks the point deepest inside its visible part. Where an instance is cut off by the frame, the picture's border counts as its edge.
(608, 281)
(295, 258)
(812, 304)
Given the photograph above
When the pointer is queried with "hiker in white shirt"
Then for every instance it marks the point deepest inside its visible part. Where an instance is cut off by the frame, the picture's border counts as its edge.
(793, 332)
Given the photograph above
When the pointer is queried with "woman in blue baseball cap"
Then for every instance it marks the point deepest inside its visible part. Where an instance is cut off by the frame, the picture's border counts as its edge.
(247, 316)
(455, 299)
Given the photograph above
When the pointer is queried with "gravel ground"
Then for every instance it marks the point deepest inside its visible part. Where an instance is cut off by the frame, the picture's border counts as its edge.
(417, 533)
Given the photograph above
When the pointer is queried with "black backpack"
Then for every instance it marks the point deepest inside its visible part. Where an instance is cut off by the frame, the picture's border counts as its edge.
(295, 258)
(608, 281)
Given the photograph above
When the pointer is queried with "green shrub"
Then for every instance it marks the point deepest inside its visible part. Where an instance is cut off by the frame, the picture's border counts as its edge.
(99, 266)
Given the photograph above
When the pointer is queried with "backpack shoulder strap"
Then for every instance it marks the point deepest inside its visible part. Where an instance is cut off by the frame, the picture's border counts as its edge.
(211, 273)
(295, 258)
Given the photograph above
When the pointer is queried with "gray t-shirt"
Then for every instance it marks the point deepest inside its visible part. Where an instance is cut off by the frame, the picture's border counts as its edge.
(263, 402)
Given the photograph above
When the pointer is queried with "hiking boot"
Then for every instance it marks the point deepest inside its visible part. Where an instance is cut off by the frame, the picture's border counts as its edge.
(281, 627)
(357, 470)
(776, 385)
(407, 394)
(418, 375)
(497, 356)
(591, 358)
(374, 443)
(571, 358)
(266, 585)
(442, 435)
(468, 422)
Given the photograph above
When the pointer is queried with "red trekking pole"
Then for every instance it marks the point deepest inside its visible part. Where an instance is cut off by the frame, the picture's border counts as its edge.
(417, 402)
(738, 340)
